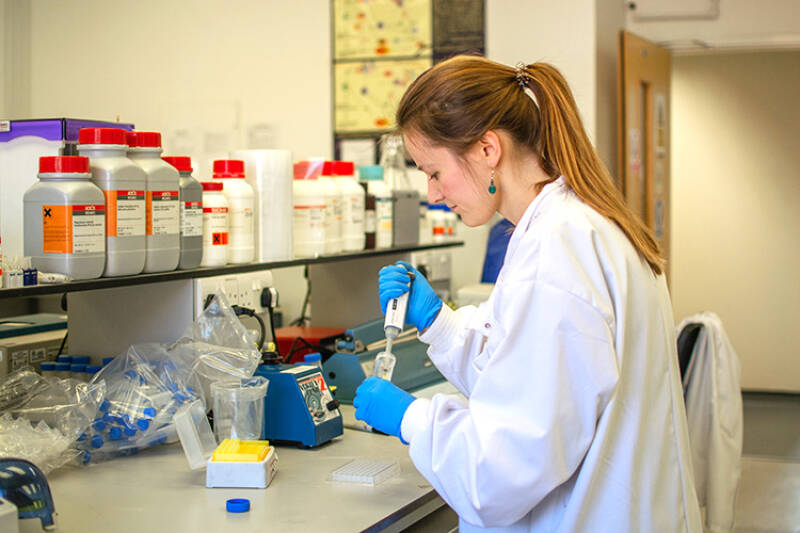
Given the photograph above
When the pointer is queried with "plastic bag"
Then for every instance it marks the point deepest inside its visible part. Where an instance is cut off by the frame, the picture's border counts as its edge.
(43, 417)
(148, 384)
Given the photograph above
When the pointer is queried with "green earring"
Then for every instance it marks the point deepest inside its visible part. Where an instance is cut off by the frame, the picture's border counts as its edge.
(492, 188)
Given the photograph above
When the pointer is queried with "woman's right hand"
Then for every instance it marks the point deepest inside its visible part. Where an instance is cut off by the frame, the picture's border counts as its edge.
(423, 303)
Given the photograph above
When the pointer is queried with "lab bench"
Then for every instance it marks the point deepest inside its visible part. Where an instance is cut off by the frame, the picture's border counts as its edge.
(156, 491)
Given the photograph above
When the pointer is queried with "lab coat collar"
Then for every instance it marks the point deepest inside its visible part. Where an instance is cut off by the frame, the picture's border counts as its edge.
(533, 211)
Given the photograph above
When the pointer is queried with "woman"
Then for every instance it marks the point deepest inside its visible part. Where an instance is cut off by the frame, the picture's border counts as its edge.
(575, 419)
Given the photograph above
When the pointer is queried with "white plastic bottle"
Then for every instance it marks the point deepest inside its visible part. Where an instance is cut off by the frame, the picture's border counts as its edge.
(438, 222)
(309, 212)
(450, 219)
(215, 225)
(191, 213)
(373, 175)
(425, 229)
(162, 217)
(353, 197)
(241, 206)
(123, 183)
(333, 210)
(64, 219)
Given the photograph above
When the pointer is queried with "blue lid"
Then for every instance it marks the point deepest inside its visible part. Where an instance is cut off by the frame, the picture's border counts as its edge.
(130, 432)
(93, 369)
(64, 359)
(107, 360)
(313, 357)
(81, 359)
(99, 425)
(143, 424)
(149, 411)
(115, 433)
(47, 366)
(370, 173)
(96, 441)
(62, 366)
(237, 505)
(104, 406)
(77, 368)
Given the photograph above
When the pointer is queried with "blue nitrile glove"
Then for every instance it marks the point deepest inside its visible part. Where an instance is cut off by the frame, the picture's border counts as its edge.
(423, 303)
(382, 405)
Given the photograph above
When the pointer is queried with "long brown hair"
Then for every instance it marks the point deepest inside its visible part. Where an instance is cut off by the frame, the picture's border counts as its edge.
(454, 103)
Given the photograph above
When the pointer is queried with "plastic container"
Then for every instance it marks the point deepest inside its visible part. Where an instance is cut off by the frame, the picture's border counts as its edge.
(62, 370)
(78, 371)
(308, 211)
(64, 219)
(333, 210)
(373, 176)
(425, 228)
(393, 161)
(450, 220)
(239, 408)
(353, 199)
(191, 213)
(215, 225)
(48, 369)
(162, 216)
(123, 184)
(241, 237)
(365, 471)
(195, 434)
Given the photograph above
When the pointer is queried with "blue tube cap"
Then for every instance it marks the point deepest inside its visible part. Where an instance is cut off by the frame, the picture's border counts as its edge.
(237, 505)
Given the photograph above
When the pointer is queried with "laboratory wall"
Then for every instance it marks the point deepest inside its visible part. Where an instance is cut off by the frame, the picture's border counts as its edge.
(736, 195)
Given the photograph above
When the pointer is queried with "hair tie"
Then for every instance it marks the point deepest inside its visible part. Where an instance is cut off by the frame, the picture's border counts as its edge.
(523, 78)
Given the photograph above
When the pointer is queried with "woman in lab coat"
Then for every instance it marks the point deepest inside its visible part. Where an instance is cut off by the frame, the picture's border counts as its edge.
(575, 418)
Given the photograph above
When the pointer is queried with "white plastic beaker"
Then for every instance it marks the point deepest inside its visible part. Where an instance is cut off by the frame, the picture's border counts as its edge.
(239, 408)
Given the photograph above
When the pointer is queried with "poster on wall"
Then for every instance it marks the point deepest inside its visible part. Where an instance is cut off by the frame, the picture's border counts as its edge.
(381, 29)
(367, 93)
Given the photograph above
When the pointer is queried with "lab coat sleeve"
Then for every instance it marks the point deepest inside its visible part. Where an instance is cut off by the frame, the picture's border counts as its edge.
(544, 377)
(454, 344)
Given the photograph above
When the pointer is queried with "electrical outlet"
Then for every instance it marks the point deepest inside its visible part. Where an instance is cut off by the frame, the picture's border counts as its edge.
(243, 289)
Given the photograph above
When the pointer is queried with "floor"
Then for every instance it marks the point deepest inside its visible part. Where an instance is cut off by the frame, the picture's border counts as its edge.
(768, 500)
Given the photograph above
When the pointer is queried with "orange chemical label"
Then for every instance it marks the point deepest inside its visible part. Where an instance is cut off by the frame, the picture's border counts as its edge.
(56, 229)
(219, 238)
(148, 214)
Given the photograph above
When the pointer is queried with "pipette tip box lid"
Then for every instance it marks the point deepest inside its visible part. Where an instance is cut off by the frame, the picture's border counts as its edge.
(195, 433)
(242, 464)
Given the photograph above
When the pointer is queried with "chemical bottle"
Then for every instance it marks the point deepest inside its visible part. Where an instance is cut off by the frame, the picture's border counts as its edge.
(309, 211)
(333, 210)
(241, 205)
(438, 222)
(369, 217)
(64, 219)
(352, 206)
(373, 176)
(123, 183)
(215, 225)
(191, 213)
(162, 196)
(450, 223)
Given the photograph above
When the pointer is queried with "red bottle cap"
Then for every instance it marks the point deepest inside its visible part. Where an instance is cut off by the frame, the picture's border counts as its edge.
(144, 139)
(102, 136)
(327, 168)
(307, 170)
(64, 164)
(344, 168)
(211, 185)
(181, 162)
(228, 168)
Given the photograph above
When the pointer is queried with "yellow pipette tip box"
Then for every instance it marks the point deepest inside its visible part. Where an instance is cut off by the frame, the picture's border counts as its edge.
(240, 451)
(242, 464)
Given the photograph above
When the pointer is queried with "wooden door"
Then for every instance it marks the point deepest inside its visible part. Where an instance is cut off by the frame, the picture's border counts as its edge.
(644, 132)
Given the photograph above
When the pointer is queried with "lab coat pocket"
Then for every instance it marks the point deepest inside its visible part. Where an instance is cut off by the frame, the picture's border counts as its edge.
(488, 330)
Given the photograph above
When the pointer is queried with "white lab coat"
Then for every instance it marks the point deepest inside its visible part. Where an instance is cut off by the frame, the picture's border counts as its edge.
(576, 419)
(714, 410)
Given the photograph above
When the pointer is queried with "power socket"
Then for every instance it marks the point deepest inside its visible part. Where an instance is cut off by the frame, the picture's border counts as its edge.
(243, 289)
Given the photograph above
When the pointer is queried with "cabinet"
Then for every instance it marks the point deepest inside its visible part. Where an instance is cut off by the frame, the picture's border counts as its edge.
(107, 315)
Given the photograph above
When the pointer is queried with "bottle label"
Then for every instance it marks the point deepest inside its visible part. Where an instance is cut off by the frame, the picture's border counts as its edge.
(125, 213)
(191, 219)
(163, 212)
(369, 221)
(215, 226)
(73, 229)
(309, 222)
(241, 223)
(354, 214)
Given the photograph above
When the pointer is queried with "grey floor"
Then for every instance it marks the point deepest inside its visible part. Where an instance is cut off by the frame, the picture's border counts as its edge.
(768, 500)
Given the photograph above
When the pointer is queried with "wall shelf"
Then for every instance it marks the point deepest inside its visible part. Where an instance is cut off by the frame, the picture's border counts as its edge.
(141, 279)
